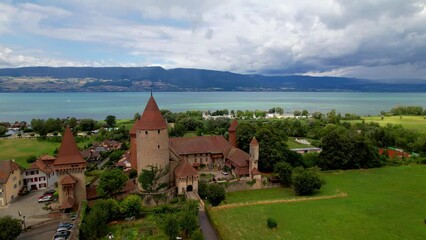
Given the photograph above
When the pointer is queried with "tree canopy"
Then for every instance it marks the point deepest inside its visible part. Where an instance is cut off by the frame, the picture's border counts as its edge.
(111, 182)
(149, 178)
(10, 228)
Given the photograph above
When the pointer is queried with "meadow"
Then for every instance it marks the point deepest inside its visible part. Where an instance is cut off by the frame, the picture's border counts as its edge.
(383, 203)
(22, 148)
(415, 123)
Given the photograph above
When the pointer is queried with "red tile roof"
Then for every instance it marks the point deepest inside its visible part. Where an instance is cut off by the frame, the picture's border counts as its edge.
(47, 157)
(6, 168)
(67, 203)
(238, 157)
(151, 118)
(254, 141)
(41, 165)
(91, 193)
(184, 169)
(68, 151)
(241, 171)
(201, 144)
(394, 153)
(233, 126)
(68, 179)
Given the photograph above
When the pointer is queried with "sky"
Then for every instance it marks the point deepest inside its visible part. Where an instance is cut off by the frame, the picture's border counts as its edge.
(370, 39)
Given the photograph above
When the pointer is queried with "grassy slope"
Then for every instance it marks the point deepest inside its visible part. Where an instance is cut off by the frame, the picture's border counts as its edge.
(21, 149)
(385, 203)
(416, 123)
(293, 144)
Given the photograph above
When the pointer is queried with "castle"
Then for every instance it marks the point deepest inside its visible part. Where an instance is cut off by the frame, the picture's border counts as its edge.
(150, 145)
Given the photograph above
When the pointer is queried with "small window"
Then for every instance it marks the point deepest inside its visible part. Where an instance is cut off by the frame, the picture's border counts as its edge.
(158, 146)
(146, 132)
(158, 131)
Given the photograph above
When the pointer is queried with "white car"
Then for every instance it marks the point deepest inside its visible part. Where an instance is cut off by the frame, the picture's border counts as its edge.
(225, 173)
(45, 199)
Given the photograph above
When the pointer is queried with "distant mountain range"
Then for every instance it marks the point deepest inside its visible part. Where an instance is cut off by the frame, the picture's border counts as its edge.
(51, 79)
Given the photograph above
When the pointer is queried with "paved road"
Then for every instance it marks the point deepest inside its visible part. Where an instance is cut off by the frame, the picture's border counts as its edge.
(29, 207)
(206, 227)
(40, 233)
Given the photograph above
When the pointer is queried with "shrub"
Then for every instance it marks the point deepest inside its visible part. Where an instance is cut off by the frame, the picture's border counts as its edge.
(284, 170)
(272, 223)
(31, 159)
(131, 206)
(306, 181)
(216, 194)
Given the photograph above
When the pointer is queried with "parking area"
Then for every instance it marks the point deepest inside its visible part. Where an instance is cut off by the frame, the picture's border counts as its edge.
(218, 174)
(29, 207)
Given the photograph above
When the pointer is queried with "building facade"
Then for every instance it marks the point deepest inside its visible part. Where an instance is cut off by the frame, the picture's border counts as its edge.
(40, 174)
(11, 181)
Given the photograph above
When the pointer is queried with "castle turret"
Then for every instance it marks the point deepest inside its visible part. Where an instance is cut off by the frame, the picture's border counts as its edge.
(232, 133)
(149, 140)
(254, 158)
(69, 167)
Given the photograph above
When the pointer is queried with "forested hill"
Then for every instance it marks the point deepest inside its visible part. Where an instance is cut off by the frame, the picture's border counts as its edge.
(179, 79)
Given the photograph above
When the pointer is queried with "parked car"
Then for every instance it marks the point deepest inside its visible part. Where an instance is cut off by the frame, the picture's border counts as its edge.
(225, 173)
(65, 225)
(60, 229)
(64, 234)
(42, 196)
(45, 199)
(50, 191)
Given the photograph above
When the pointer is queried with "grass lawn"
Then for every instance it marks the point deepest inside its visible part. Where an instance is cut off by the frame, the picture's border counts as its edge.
(21, 148)
(127, 123)
(416, 123)
(293, 144)
(383, 203)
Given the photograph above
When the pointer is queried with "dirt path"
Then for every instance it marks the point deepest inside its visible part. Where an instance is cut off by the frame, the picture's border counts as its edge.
(233, 205)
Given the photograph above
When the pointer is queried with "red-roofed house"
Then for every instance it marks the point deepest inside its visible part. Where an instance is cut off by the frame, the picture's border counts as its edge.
(10, 181)
(40, 174)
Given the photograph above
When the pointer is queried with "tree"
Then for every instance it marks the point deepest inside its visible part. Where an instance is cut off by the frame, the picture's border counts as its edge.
(306, 181)
(111, 182)
(110, 207)
(170, 226)
(305, 113)
(72, 122)
(245, 132)
(203, 189)
(216, 194)
(86, 124)
(187, 222)
(31, 159)
(279, 110)
(284, 170)
(94, 225)
(10, 228)
(297, 113)
(131, 206)
(3, 130)
(149, 178)
(110, 121)
(137, 116)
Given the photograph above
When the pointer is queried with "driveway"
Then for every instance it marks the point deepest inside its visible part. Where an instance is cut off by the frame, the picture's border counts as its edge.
(29, 207)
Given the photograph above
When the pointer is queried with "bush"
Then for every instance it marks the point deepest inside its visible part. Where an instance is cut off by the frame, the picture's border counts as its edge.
(284, 171)
(272, 223)
(131, 206)
(306, 181)
(216, 194)
(10, 228)
(31, 159)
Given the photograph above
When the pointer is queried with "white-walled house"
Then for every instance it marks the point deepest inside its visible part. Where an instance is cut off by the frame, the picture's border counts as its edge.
(10, 181)
(40, 174)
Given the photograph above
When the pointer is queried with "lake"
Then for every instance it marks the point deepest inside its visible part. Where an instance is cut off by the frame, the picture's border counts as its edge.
(26, 106)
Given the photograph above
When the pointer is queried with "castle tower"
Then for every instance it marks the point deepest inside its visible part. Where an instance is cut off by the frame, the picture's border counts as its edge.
(232, 133)
(149, 140)
(69, 167)
(254, 158)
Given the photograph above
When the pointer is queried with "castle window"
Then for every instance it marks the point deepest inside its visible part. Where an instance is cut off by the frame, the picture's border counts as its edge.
(158, 146)
(158, 131)
(146, 132)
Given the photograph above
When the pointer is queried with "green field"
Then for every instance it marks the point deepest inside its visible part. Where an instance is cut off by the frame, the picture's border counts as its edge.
(21, 148)
(293, 144)
(384, 203)
(416, 123)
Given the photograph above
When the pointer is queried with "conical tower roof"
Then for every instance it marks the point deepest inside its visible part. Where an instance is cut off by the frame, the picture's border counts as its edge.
(233, 126)
(151, 118)
(254, 141)
(68, 151)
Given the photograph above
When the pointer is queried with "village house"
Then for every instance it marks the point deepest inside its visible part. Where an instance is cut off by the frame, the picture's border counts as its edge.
(40, 174)
(10, 181)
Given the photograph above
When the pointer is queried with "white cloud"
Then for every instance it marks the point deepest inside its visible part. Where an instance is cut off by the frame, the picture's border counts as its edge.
(338, 37)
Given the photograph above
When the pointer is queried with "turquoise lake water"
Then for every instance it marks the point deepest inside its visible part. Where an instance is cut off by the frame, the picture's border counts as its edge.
(26, 106)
